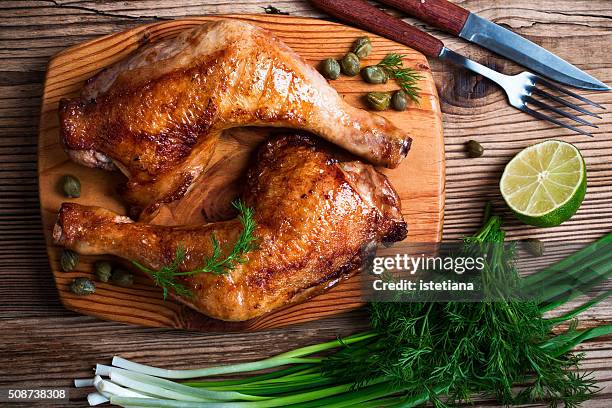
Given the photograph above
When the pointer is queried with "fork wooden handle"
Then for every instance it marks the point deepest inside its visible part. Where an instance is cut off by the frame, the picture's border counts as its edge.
(368, 17)
(441, 14)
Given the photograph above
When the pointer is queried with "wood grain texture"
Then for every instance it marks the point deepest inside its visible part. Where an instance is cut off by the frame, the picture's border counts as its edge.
(369, 17)
(422, 197)
(440, 14)
(39, 336)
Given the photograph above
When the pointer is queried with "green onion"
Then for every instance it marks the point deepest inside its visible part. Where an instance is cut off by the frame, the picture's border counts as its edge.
(290, 357)
(573, 338)
(561, 292)
(96, 398)
(109, 388)
(415, 352)
(592, 252)
(163, 388)
(582, 308)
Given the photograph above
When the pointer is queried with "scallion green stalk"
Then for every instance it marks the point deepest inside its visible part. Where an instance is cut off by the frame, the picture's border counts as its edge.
(290, 357)
(157, 387)
(576, 311)
(308, 381)
(590, 252)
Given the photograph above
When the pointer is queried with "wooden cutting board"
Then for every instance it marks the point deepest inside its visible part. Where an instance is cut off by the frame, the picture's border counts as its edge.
(419, 180)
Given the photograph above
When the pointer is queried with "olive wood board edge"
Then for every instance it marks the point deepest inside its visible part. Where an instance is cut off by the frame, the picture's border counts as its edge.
(419, 180)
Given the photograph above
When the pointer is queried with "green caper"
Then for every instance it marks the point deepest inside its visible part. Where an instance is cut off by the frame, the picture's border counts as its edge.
(399, 101)
(68, 260)
(103, 270)
(122, 277)
(374, 74)
(534, 246)
(330, 69)
(350, 64)
(379, 100)
(82, 287)
(474, 149)
(71, 186)
(362, 47)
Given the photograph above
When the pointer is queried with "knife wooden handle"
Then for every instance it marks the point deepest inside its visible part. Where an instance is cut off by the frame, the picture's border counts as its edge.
(442, 14)
(368, 17)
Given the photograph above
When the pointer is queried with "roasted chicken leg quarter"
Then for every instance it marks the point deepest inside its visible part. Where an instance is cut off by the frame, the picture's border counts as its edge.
(158, 114)
(315, 216)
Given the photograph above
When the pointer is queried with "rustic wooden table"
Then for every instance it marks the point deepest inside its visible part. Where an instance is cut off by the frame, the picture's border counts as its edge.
(42, 344)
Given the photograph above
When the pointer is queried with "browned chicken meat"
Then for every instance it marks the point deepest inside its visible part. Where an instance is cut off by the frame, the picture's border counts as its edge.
(314, 215)
(158, 114)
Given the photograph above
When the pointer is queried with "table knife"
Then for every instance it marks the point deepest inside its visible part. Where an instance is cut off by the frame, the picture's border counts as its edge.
(519, 88)
(456, 20)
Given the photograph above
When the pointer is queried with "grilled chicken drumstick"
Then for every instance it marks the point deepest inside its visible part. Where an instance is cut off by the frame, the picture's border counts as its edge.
(315, 216)
(158, 114)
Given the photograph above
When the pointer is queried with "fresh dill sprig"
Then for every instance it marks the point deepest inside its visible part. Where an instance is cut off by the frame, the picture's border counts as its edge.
(406, 78)
(443, 353)
(216, 263)
(165, 276)
(458, 348)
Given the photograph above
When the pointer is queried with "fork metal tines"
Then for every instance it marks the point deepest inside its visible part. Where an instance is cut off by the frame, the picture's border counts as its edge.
(535, 90)
(523, 88)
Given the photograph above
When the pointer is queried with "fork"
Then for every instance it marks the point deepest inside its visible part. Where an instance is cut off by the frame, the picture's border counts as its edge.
(520, 88)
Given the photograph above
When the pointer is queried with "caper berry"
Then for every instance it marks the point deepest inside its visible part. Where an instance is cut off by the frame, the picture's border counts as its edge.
(71, 186)
(103, 270)
(379, 100)
(399, 101)
(362, 47)
(330, 69)
(350, 64)
(82, 287)
(68, 260)
(374, 74)
(122, 277)
(474, 149)
(534, 246)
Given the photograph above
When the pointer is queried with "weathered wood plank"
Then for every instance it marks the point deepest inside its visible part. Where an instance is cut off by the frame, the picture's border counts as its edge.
(32, 31)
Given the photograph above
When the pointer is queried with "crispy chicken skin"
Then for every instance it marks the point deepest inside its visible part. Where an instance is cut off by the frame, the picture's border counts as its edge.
(315, 217)
(157, 115)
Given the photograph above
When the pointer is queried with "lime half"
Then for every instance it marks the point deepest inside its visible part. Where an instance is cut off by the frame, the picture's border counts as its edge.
(545, 184)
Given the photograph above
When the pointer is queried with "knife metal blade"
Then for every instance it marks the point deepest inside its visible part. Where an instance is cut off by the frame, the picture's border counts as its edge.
(519, 49)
